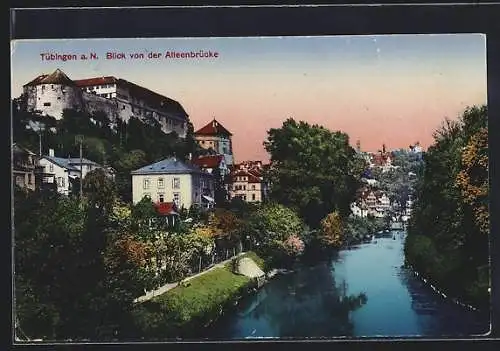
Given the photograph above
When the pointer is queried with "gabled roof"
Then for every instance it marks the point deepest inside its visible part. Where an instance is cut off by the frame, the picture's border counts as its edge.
(57, 77)
(21, 150)
(170, 165)
(70, 163)
(36, 81)
(61, 162)
(242, 173)
(210, 161)
(160, 102)
(213, 128)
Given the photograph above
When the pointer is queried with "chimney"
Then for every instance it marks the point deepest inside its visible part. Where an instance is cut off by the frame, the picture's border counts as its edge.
(51, 152)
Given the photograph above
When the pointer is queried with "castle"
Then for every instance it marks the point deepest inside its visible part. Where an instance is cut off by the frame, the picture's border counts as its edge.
(50, 94)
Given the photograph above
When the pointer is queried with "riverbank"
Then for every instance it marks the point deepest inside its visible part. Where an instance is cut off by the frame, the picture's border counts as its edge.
(315, 301)
(183, 310)
(438, 290)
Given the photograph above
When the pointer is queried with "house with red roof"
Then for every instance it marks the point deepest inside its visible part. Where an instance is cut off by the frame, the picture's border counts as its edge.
(211, 163)
(247, 181)
(215, 137)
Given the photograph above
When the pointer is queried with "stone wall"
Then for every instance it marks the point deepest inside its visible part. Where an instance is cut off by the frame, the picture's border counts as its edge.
(94, 103)
(52, 99)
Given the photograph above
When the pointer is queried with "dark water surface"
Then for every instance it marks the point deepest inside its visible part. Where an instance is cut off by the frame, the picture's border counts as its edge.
(314, 301)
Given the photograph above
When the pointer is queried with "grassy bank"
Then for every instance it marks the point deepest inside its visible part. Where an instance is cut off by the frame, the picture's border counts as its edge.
(184, 310)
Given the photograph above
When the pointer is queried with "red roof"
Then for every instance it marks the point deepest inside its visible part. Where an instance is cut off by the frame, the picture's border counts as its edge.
(37, 80)
(166, 208)
(95, 81)
(252, 178)
(210, 161)
(213, 128)
(380, 160)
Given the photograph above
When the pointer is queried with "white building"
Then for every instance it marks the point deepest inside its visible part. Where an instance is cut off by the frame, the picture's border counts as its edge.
(247, 182)
(358, 210)
(172, 180)
(50, 94)
(64, 171)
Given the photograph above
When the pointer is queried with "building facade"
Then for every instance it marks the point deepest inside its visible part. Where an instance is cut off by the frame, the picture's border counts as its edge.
(24, 167)
(217, 139)
(50, 94)
(172, 180)
(247, 182)
(65, 172)
(371, 203)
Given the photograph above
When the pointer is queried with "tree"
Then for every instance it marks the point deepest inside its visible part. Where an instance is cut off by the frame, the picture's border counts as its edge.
(270, 227)
(450, 212)
(473, 178)
(331, 232)
(100, 190)
(333, 170)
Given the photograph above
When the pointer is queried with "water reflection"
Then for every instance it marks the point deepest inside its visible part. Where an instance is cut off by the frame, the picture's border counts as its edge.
(307, 303)
(364, 291)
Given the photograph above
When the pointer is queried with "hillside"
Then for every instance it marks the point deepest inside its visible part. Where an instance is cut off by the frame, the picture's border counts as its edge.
(123, 146)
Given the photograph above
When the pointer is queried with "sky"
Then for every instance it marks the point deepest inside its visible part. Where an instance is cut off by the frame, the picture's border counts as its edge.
(388, 89)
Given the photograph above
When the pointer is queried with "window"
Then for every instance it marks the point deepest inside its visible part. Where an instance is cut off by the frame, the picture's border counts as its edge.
(244, 187)
(253, 197)
(60, 182)
(161, 197)
(145, 184)
(161, 183)
(253, 187)
(51, 168)
(176, 183)
(46, 104)
(29, 178)
(58, 98)
(177, 198)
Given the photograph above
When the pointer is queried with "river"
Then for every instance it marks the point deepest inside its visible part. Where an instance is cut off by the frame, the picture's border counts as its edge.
(313, 301)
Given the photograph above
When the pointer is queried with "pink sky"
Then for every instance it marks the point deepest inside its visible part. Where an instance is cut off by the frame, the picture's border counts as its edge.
(392, 89)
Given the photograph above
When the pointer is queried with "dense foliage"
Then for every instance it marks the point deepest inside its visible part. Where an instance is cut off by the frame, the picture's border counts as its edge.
(448, 233)
(276, 232)
(124, 146)
(313, 170)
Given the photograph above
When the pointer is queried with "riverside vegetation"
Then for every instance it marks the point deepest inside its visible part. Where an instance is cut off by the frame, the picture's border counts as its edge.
(91, 257)
(449, 231)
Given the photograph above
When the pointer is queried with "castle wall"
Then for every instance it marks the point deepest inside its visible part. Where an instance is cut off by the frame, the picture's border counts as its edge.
(52, 99)
(94, 103)
(30, 96)
(113, 99)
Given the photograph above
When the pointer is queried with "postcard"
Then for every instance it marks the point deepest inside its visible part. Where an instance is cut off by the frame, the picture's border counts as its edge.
(255, 187)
